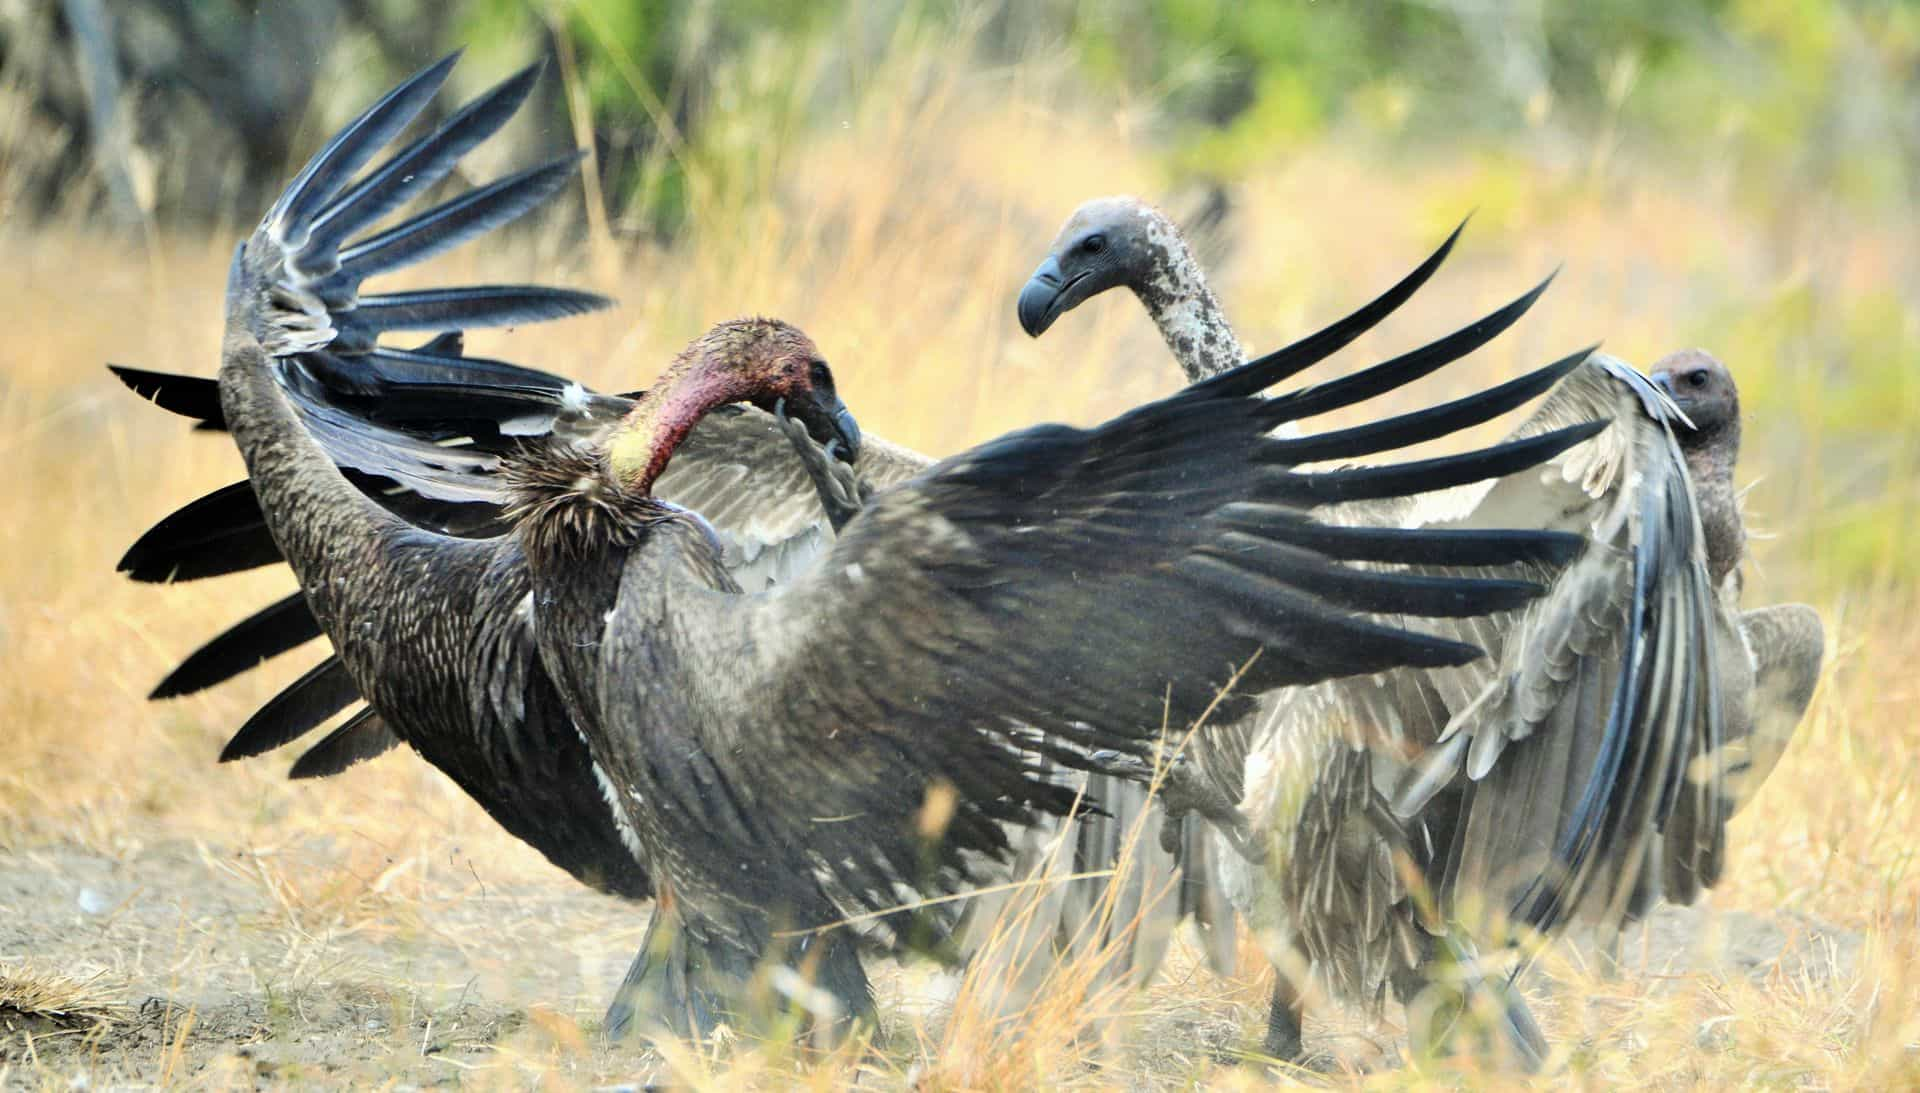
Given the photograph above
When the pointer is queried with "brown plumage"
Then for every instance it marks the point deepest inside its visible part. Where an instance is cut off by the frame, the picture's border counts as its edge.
(930, 648)
(1707, 395)
(441, 647)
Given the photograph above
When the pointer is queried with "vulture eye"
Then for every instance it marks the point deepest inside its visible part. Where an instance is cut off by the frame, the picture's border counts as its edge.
(817, 374)
(1093, 244)
(1697, 378)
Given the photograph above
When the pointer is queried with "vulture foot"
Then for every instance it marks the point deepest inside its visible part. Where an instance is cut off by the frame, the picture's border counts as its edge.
(1185, 790)
(1284, 1017)
(1448, 995)
(835, 479)
(692, 989)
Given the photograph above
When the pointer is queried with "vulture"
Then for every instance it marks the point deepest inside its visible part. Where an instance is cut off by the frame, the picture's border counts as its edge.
(799, 765)
(415, 432)
(1788, 640)
(1586, 768)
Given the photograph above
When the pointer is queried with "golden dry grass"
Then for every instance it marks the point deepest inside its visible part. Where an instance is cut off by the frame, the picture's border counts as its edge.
(378, 927)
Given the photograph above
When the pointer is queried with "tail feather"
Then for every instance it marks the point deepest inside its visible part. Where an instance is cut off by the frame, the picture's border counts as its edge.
(409, 173)
(363, 736)
(294, 712)
(223, 532)
(282, 625)
(188, 396)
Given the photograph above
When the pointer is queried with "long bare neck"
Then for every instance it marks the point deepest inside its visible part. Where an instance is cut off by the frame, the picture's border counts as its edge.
(1176, 294)
(1710, 464)
(661, 419)
(575, 502)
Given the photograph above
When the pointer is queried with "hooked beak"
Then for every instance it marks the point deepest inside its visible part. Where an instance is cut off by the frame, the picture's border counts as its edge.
(1663, 379)
(829, 423)
(848, 432)
(1045, 297)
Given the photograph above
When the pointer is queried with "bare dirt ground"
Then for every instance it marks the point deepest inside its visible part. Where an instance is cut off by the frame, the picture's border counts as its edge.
(197, 972)
(215, 975)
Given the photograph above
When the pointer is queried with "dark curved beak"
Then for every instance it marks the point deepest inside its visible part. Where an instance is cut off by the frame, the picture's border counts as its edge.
(829, 423)
(848, 431)
(1040, 300)
(1663, 379)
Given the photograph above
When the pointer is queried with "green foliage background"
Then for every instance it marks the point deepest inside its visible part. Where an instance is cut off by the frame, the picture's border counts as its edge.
(1791, 92)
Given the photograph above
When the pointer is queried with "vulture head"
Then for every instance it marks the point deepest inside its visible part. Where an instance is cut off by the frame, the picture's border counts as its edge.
(1704, 390)
(1107, 243)
(765, 362)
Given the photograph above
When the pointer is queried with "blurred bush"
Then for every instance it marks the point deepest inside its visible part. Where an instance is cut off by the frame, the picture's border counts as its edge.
(680, 94)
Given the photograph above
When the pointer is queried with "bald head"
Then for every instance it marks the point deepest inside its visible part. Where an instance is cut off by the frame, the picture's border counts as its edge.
(1704, 390)
(1109, 242)
(1123, 242)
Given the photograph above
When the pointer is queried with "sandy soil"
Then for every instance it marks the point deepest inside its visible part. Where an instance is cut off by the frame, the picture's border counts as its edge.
(218, 974)
(210, 975)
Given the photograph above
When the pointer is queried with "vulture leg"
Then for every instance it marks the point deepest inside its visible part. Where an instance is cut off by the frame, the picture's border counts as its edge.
(1285, 1014)
(678, 982)
(1446, 985)
(692, 986)
(1201, 893)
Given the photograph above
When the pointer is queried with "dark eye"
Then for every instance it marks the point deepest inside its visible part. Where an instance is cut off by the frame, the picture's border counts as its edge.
(1093, 244)
(1697, 378)
(818, 375)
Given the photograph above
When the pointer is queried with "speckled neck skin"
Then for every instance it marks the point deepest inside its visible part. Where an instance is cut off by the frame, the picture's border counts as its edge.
(1710, 462)
(1170, 285)
(1712, 451)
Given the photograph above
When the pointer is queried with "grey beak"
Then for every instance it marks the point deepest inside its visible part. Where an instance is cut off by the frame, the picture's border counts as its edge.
(1663, 379)
(1040, 299)
(847, 431)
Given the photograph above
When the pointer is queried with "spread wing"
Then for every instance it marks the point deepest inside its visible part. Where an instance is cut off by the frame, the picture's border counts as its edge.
(1062, 590)
(1571, 771)
(425, 440)
(1588, 745)
(436, 631)
(422, 430)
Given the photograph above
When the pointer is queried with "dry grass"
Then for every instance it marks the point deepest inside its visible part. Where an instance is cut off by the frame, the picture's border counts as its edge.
(378, 927)
(27, 995)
